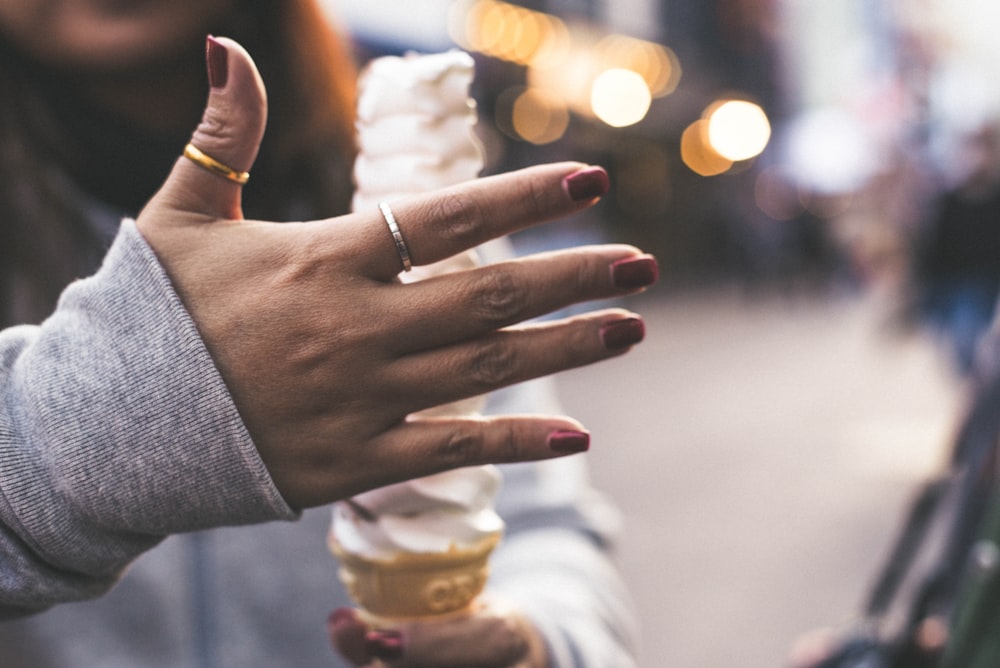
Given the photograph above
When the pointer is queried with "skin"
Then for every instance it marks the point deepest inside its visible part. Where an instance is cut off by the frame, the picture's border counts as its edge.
(105, 36)
(496, 635)
(139, 58)
(351, 352)
(325, 352)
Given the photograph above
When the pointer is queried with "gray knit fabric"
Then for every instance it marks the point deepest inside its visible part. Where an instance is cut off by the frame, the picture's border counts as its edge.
(116, 430)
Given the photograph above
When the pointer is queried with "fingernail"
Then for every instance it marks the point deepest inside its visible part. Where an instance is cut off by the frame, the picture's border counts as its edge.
(634, 272)
(341, 617)
(622, 333)
(347, 632)
(568, 441)
(386, 645)
(217, 59)
(586, 184)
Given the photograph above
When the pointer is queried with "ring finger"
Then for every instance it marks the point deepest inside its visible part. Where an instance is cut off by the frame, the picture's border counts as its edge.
(510, 356)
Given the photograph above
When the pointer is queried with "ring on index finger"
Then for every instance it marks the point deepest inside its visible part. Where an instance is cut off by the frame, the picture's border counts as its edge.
(397, 236)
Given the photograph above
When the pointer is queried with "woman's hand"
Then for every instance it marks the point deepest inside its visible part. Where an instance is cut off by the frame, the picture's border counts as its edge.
(326, 353)
(495, 636)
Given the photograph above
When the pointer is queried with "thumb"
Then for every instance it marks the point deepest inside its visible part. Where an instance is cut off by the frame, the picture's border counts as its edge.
(229, 133)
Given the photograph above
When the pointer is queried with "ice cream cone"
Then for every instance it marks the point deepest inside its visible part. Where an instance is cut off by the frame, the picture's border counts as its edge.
(416, 585)
(419, 548)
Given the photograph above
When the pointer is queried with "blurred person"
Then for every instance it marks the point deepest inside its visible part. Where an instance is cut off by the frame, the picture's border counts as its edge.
(935, 602)
(96, 103)
(957, 270)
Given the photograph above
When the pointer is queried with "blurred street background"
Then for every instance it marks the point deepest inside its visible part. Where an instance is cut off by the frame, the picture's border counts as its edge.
(808, 173)
(762, 454)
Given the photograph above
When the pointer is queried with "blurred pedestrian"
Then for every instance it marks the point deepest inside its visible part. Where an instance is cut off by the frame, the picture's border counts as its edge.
(958, 255)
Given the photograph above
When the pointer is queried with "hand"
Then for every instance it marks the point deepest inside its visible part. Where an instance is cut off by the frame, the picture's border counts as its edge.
(495, 636)
(326, 353)
(813, 648)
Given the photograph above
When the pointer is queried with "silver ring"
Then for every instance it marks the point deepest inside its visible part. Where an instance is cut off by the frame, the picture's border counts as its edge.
(397, 236)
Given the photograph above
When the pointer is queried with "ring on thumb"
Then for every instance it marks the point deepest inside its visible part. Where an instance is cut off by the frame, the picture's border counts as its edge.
(229, 135)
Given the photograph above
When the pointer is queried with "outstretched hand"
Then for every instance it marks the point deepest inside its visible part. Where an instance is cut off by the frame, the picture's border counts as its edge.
(326, 353)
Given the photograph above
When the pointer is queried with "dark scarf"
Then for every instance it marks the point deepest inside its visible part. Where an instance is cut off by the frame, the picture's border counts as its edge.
(106, 156)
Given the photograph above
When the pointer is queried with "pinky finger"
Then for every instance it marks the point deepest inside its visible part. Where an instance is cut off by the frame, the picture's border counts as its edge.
(424, 445)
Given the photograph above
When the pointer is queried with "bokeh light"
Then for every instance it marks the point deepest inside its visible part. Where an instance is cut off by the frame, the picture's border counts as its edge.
(539, 117)
(506, 31)
(620, 97)
(698, 154)
(655, 63)
(738, 129)
(614, 77)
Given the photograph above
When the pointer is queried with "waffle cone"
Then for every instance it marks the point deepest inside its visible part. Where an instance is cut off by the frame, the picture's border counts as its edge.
(413, 585)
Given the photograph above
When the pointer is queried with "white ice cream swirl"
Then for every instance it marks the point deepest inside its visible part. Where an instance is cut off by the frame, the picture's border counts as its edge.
(431, 514)
(416, 133)
(415, 126)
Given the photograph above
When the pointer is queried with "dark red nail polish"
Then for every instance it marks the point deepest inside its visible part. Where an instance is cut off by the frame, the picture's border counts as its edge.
(386, 645)
(567, 441)
(622, 333)
(347, 631)
(587, 184)
(634, 272)
(217, 59)
(342, 617)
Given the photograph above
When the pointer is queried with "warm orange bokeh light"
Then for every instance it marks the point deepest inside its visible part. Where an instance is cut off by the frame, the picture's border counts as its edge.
(697, 152)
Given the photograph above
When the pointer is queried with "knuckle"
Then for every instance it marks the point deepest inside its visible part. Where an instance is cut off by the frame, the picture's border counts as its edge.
(494, 364)
(463, 446)
(586, 272)
(508, 444)
(531, 195)
(578, 341)
(214, 132)
(498, 297)
(212, 124)
(457, 217)
(510, 639)
(590, 277)
(581, 344)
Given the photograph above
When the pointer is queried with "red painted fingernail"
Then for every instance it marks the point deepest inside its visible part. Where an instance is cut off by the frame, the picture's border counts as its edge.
(217, 59)
(635, 272)
(586, 184)
(347, 632)
(568, 441)
(386, 645)
(342, 617)
(622, 333)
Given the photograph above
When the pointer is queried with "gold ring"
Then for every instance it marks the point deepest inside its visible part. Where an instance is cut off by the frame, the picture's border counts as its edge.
(397, 236)
(194, 154)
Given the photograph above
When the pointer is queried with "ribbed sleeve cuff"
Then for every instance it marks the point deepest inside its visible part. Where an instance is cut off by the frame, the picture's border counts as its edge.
(121, 428)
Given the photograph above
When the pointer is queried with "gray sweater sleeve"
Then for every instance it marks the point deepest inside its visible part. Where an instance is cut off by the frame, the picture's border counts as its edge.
(116, 430)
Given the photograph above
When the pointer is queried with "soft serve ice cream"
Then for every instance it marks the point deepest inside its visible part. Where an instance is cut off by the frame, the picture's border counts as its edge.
(437, 513)
(415, 127)
(419, 547)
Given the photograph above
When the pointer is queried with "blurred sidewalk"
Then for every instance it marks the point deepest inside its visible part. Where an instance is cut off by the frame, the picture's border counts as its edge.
(762, 453)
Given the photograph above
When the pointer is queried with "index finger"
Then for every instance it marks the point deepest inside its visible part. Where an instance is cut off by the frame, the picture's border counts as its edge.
(438, 225)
